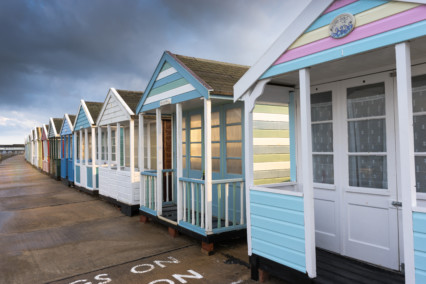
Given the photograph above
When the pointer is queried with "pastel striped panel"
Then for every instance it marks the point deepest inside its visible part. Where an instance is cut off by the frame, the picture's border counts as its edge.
(338, 4)
(271, 159)
(169, 83)
(361, 19)
(81, 121)
(354, 8)
(384, 39)
(419, 228)
(377, 27)
(277, 227)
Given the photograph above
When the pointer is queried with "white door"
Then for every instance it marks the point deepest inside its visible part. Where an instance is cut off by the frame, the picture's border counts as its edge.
(354, 171)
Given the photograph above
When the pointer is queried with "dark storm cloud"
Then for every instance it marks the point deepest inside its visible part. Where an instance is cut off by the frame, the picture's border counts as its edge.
(54, 53)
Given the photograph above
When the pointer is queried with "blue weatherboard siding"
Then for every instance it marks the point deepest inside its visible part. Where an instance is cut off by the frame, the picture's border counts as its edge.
(277, 226)
(354, 8)
(77, 174)
(70, 170)
(391, 37)
(419, 228)
(64, 168)
(66, 129)
(166, 61)
(81, 121)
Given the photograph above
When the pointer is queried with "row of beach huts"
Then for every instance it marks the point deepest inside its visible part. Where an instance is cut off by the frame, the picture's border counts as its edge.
(317, 151)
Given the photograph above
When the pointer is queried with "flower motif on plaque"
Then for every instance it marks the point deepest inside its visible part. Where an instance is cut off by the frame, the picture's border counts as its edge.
(342, 25)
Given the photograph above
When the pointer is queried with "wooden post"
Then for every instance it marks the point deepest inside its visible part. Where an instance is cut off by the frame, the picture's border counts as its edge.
(179, 160)
(109, 146)
(132, 150)
(118, 146)
(141, 152)
(74, 153)
(93, 157)
(99, 145)
(159, 193)
(407, 182)
(86, 146)
(208, 162)
(81, 147)
(306, 153)
(141, 160)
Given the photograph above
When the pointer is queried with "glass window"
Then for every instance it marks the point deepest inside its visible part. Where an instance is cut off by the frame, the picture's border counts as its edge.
(233, 141)
(233, 115)
(113, 143)
(419, 128)
(195, 121)
(366, 135)
(322, 137)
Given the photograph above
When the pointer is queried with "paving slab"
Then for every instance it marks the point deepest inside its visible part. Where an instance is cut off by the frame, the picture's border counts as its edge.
(53, 233)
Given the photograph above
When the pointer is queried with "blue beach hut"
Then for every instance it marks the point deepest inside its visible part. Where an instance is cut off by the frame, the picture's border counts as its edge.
(67, 162)
(191, 142)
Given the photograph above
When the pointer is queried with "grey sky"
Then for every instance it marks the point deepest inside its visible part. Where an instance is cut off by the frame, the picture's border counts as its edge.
(55, 52)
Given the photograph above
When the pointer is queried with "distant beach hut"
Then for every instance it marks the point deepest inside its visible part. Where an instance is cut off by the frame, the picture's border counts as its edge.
(67, 164)
(117, 124)
(45, 148)
(85, 147)
(55, 147)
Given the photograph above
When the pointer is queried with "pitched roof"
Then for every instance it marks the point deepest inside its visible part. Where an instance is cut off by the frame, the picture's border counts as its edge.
(72, 118)
(94, 109)
(217, 76)
(131, 98)
(58, 123)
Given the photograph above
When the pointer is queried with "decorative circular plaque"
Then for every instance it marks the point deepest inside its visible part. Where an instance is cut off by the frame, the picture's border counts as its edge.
(342, 25)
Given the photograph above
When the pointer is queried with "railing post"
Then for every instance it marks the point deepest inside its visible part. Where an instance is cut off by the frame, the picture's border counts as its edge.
(193, 204)
(241, 203)
(226, 204)
(208, 162)
(179, 160)
(141, 159)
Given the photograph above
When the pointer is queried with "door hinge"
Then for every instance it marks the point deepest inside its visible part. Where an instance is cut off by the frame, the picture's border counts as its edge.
(397, 203)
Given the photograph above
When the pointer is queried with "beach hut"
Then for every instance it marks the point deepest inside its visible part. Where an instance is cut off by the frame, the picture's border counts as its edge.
(192, 160)
(28, 148)
(352, 76)
(118, 177)
(85, 147)
(34, 156)
(55, 147)
(67, 164)
(45, 148)
(39, 148)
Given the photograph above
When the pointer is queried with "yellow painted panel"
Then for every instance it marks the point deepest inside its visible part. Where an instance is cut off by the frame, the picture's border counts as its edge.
(361, 19)
(271, 180)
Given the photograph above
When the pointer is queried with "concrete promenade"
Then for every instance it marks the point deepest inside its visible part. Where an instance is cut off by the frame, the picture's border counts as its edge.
(52, 233)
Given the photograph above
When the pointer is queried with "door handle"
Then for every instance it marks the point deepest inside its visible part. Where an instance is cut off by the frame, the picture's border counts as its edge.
(397, 203)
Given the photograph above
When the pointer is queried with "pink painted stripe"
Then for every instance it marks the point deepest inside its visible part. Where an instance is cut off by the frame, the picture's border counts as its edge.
(390, 23)
(338, 4)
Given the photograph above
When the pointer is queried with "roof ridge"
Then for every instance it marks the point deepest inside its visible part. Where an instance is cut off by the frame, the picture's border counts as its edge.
(214, 61)
(129, 91)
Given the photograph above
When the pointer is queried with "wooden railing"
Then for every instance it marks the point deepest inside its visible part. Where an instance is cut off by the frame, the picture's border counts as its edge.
(168, 175)
(148, 189)
(226, 202)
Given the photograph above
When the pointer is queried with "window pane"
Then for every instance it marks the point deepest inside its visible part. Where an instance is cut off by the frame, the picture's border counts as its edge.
(419, 133)
(216, 149)
(322, 137)
(233, 166)
(323, 168)
(196, 164)
(367, 135)
(183, 122)
(233, 132)
(366, 101)
(216, 165)
(421, 174)
(184, 162)
(321, 107)
(195, 120)
(215, 118)
(184, 149)
(183, 135)
(233, 149)
(216, 134)
(419, 93)
(368, 171)
(195, 149)
(233, 115)
(195, 135)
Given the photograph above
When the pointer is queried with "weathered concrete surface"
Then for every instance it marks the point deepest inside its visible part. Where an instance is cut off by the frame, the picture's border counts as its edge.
(50, 232)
